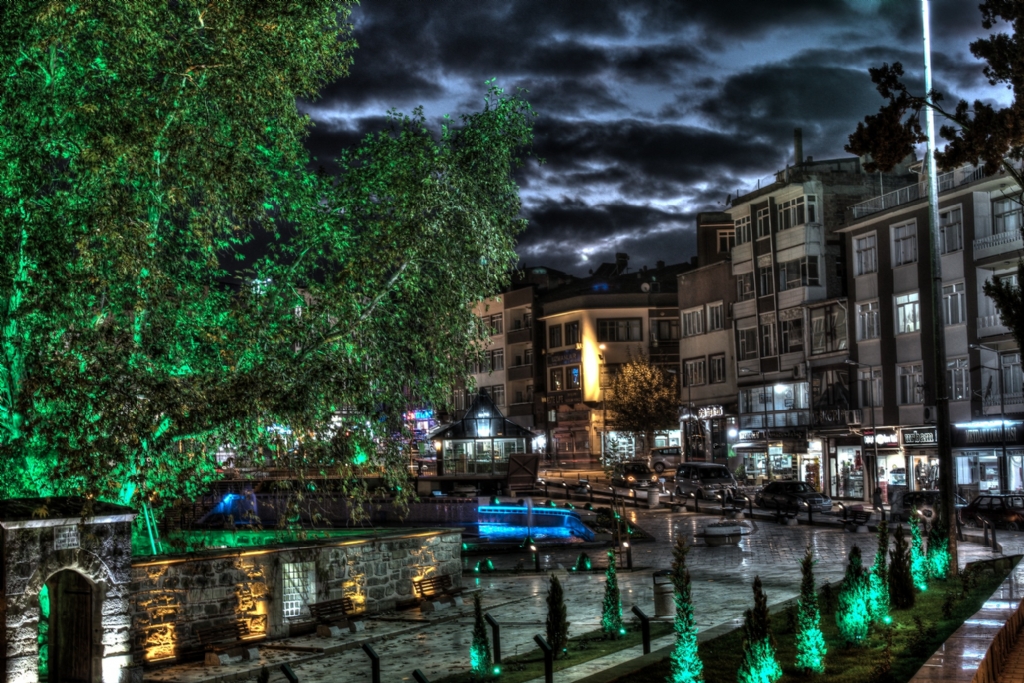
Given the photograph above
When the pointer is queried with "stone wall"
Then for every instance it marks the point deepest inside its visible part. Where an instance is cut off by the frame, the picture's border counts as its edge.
(172, 597)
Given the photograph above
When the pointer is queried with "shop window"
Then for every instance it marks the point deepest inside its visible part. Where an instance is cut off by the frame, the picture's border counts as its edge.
(572, 377)
(557, 380)
(847, 470)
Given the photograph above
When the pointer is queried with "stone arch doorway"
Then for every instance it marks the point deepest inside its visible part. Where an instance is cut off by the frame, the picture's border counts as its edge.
(70, 633)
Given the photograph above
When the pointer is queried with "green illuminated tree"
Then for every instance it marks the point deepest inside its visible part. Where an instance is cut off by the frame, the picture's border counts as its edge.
(853, 614)
(557, 624)
(918, 561)
(937, 558)
(174, 277)
(611, 607)
(642, 400)
(879, 577)
(759, 663)
(810, 642)
(901, 581)
(480, 647)
(684, 662)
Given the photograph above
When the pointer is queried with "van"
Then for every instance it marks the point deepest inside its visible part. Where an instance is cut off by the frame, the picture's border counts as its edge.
(702, 479)
(665, 458)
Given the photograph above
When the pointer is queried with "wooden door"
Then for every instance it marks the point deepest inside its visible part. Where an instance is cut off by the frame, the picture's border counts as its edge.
(70, 628)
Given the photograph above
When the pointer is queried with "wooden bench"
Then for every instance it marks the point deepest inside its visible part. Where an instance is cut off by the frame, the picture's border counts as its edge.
(856, 516)
(220, 641)
(435, 589)
(332, 615)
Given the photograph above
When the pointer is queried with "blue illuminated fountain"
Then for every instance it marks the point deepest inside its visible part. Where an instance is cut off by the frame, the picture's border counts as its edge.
(517, 522)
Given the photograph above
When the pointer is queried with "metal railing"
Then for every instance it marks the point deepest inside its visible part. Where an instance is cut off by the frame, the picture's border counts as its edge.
(911, 193)
(997, 240)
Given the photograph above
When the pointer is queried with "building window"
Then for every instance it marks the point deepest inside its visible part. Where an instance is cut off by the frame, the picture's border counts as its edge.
(801, 272)
(554, 336)
(1012, 379)
(498, 359)
(742, 229)
(797, 212)
(747, 343)
(529, 393)
(908, 314)
(868, 322)
(695, 372)
(959, 379)
(1005, 216)
(497, 394)
(951, 230)
(497, 324)
(717, 369)
(866, 251)
(793, 335)
(726, 241)
(664, 329)
(764, 276)
(528, 357)
(573, 379)
(764, 223)
(904, 243)
(911, 384)
(626, 330)
(693, 322)
(715, 316)
(828, 329)
(745, 286)
(871, 387)
(572, 333)
(299, 589)
(768, 340)
(557, 379)
(954, 304)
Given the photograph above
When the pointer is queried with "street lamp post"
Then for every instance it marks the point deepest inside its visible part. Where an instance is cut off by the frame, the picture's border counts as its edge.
(604, 406)
(871, 400)
(1003, 463)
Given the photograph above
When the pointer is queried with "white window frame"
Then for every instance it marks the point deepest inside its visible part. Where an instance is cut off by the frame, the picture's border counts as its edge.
(716, 316)
(789, 345)
(695, 372)
(870, 387)
(865, 248)
(904, 243)
(716, 369)
(869, 321)
(1010, 366)
(958, 378)
(951, 230)
(907, 308)
(497, 394)
(765, 281)
(298, 589)
(954, 303)
(764, 222)
(1006, 216)
(909, 384)
(692, 322)
(796, 212)
(742, 226)
(769, 340)
(726, 237)
(742, 293)
(744, 349)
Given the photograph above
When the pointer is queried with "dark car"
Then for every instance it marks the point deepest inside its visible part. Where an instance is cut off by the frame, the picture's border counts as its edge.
(634, 475)
(1003, 510)
(792, 495)
(925, 502)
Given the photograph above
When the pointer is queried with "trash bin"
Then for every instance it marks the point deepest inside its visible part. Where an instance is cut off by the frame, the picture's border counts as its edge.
(653, 499)
(664, 594)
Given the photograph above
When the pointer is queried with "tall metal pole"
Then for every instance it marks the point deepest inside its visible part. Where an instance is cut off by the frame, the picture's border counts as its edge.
(947, 480)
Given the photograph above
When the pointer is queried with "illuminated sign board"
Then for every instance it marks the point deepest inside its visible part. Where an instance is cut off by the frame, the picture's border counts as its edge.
(710, 411)
(886, 438)
(919, 436)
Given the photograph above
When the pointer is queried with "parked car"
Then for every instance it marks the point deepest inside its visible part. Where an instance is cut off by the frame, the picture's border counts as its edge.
(665, 458)
(703, 479)
(792, 495)
(1003, 510)
(926, 502)
(635, 474)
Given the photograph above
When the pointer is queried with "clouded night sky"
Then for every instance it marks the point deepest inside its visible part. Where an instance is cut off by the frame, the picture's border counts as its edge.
(648, 110)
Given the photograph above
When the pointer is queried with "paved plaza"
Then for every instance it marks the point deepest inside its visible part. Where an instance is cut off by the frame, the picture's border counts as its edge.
(438, 644)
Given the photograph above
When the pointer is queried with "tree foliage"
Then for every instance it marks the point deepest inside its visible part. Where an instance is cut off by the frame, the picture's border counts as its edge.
(642, 399)
(557, 624)
(684, 661)
(759, 664)
(901, 580)
(879, 577)
(611, 607)
(918, 559)
(810, 642)
(173, 275)
(480, 647)
(853, 613)
(976, 133)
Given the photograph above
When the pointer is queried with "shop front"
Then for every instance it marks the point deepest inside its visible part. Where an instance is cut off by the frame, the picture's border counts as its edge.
(921, 448)
(978, 449)
(777, 454)
(857, 463)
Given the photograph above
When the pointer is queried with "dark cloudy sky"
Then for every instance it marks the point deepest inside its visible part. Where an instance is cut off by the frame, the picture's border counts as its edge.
(649, 110)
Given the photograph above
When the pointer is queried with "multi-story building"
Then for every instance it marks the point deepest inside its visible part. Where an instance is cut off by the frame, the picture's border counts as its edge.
(889, 281)
(590, 329)
(790, 319)
(706, 345)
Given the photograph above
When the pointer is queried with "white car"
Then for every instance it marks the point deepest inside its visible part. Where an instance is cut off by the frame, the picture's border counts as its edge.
(666, 458)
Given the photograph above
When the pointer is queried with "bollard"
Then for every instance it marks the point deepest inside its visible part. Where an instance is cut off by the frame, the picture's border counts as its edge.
(984, 529)
(995, 546)
(696, 502)
(549, 659)
(810, 515)
(374, 663)
(495, 637)
(420, 678)
(645, 628)
(629, 554)
(289, 674)
(536, 558)
(750, 503)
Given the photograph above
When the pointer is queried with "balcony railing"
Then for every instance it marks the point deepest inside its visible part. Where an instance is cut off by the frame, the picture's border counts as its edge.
(523, 334)
(990, 325)
(999, 243)
(911, 193)
(515, 372)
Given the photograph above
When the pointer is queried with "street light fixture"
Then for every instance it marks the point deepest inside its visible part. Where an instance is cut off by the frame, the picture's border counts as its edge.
(1003, 464)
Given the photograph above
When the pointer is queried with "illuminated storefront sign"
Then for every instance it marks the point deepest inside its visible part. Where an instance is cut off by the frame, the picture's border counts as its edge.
(887, 438)
(710, 411)
(919, 436)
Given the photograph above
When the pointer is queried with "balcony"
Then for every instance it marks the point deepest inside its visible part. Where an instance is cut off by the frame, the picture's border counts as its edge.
(520, 336)
(911, 193)
(809, 233)
(1001, 243)
(990, 325)
(520, 409)
(515, 372)
(573, 416)
(742, 252)
(744, 309)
